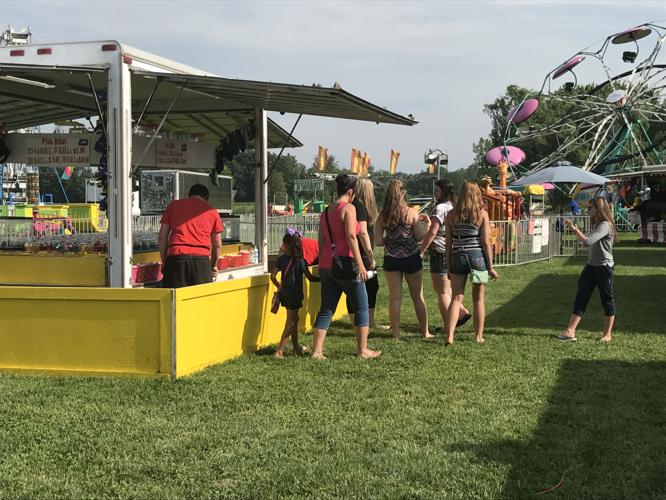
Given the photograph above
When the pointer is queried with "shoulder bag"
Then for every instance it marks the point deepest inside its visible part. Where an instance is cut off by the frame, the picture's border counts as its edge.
(344, 267)
(275, 301)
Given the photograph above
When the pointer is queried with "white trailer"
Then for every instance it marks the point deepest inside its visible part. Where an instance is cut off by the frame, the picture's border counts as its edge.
(136, 91)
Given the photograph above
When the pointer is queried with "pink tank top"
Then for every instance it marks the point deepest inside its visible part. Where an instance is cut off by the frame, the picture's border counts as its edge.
(339, 237)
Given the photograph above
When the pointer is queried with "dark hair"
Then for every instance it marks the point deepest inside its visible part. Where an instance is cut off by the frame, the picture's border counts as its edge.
(344, 183)
(292, 243)
(198, 190)
(448, 191)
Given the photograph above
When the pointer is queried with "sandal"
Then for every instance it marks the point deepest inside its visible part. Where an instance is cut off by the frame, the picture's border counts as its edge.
(463, 320)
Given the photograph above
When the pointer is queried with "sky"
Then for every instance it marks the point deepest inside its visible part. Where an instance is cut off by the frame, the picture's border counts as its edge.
(439, 61)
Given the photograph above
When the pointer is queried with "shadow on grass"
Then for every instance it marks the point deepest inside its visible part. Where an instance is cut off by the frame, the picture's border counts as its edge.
(547, 301)
(628, 255)
(603, 431)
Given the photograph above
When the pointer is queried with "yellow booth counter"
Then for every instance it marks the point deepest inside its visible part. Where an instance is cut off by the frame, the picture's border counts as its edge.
(141, 331)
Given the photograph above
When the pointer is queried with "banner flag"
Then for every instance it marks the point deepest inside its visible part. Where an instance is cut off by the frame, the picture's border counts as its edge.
(393, 165)
(322, 159)
(366, 164)
(356, 161)
(431, 168)
(67, 173)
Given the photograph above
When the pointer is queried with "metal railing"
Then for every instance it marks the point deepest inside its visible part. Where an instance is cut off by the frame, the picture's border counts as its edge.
(71, 234)
(308, 224)
(514, 242)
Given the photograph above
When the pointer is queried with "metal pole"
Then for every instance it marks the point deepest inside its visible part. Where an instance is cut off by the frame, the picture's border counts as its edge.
(261, 188)
(119, 127)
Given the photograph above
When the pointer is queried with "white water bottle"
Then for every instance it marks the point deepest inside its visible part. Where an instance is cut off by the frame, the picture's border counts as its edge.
(255, 255)
(371, 274)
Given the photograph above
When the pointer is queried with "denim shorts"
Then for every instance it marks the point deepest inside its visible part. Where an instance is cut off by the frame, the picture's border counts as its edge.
(463, 261)
(407, 265)
(438, 263)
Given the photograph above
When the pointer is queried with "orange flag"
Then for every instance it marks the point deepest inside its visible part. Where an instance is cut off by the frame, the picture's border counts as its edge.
(355, 161)
(366, 164)
(322, 159)
(393, 166)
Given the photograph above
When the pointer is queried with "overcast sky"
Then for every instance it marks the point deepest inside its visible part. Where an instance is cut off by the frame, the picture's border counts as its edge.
(440, 61)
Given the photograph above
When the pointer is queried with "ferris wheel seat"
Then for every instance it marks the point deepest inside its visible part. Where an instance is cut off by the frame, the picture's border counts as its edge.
(521, 113)
(512, 154)
(631, 35)
(568, 66)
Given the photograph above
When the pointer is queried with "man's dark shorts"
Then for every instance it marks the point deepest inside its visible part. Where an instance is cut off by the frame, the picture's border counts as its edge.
(186, 270)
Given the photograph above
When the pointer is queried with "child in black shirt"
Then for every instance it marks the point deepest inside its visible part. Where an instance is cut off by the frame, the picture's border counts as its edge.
(292, 267)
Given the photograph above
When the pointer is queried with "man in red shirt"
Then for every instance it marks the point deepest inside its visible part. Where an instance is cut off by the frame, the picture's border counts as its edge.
(190, 229)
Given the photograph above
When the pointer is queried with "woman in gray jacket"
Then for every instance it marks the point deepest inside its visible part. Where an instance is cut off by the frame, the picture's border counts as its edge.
(598, 272)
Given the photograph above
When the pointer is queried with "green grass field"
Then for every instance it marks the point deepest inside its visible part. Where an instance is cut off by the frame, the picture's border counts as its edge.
(510, 418)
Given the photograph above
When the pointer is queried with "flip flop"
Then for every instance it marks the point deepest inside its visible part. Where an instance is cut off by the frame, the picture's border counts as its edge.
(463, 320)
(564, 338)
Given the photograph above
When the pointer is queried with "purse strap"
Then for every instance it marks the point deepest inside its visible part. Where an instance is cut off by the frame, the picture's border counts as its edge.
(330, 235)
(284, 274)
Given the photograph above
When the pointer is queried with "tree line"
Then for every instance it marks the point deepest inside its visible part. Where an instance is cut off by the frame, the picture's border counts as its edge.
(286, 169)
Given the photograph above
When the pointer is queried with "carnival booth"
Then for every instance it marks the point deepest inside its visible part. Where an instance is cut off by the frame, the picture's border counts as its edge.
(68, 291)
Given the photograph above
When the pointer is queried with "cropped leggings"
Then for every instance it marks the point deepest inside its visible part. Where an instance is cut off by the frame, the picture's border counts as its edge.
(595, 276)
(372, 287)
(331, 290)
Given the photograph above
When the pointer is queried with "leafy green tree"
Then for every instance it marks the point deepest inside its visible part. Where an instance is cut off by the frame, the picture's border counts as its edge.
(74, 187)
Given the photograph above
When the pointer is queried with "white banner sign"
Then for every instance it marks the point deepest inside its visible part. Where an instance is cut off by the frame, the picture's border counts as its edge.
(171, 154)
(544, 233)
(536, 237)
(57, 151)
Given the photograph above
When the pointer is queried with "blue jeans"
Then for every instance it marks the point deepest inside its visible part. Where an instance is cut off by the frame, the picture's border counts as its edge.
(331, 289)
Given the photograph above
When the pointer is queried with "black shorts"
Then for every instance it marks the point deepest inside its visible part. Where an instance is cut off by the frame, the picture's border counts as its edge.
(407, 265)
(186, 270)
(438, 263)
(289, 302)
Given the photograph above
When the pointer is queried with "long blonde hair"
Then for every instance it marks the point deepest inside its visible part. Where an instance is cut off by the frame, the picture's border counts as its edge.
(469, 205)
(365, 192)
(394, 200)
(603, 213)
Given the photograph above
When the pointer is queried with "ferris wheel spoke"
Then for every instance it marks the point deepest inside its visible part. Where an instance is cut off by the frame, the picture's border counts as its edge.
(602, 132)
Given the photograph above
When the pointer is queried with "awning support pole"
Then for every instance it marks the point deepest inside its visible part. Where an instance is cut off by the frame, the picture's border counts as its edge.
(99, 107)
(261, 193)
(159, 128)
(145, 107)
(286, 143)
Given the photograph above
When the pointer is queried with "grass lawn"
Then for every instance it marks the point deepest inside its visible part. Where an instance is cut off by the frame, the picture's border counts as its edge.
(509, 418)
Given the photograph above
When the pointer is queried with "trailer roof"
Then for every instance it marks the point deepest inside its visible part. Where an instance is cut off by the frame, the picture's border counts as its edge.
(205, 105)
(64, 93)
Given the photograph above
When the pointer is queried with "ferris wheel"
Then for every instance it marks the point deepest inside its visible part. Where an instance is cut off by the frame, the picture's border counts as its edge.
(616, 126)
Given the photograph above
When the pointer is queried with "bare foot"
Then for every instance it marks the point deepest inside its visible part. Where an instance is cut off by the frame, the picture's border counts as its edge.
(320, 357)
(606, 338)
(448, 342)
(569, 333)
(368, 354)
(480, 340)
(278, 355)
(396, 336)
(302, 350)
(428, 335)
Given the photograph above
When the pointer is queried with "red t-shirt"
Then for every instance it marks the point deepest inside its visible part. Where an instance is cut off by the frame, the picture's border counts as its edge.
(192, 222)
(310, 250)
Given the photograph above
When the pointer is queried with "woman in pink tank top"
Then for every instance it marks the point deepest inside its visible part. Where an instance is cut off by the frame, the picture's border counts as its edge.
(341, 215)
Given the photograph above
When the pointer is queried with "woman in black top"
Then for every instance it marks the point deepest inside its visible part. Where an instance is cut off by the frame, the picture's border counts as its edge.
(366, 215)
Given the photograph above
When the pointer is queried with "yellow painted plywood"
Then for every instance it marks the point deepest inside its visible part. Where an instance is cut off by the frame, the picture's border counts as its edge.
(53, 270)
(86, 330)
(221, 321)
